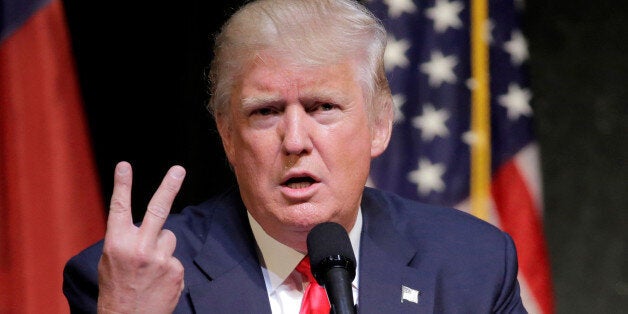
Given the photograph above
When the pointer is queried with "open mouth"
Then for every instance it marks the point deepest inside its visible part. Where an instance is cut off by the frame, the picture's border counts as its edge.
(299, 182)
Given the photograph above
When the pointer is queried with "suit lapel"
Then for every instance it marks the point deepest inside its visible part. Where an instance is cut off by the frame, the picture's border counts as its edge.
(385, 259)
(231, 279)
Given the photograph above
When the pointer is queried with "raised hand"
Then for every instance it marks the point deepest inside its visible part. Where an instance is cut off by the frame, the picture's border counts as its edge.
(137, 272)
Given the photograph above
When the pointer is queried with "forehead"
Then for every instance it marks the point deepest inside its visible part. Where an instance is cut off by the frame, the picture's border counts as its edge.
(280, 78)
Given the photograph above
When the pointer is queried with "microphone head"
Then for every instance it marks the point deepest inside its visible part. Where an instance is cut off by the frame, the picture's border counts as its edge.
(329, 247)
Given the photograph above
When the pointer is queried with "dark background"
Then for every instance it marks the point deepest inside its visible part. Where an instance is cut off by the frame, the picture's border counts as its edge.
(142, 68)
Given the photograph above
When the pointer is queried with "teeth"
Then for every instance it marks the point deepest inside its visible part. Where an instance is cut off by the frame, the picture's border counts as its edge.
(299, 185)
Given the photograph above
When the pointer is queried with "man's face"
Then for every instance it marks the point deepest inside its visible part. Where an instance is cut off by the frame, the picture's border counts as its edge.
(300, 144)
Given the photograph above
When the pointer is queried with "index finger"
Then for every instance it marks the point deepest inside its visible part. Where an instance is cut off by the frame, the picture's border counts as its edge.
(120, 218)
(159, 206)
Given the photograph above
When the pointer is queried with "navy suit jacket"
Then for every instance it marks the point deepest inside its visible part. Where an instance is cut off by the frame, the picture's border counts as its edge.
(457, 263)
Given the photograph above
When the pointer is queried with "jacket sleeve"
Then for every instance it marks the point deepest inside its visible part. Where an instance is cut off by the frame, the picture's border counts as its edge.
(509, 300)
(80, 280)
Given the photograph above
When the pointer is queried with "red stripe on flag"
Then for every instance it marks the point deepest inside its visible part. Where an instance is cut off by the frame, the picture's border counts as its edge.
(519, 218)
(50, 202)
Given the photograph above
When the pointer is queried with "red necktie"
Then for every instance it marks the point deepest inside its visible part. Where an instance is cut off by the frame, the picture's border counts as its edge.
(315, 298)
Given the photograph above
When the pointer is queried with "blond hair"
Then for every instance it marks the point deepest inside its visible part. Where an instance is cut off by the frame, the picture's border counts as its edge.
(306, 33)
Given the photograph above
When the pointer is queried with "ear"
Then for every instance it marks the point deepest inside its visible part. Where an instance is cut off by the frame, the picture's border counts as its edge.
(381, 129)
(223, 124)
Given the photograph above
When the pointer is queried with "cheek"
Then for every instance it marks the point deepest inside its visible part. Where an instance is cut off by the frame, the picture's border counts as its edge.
(249, 168)
(255, 149)
(352, 150)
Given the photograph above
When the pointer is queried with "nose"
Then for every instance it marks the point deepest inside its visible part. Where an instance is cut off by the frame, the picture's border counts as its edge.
(296, 131)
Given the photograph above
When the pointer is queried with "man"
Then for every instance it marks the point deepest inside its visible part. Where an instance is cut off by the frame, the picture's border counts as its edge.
(302, 105)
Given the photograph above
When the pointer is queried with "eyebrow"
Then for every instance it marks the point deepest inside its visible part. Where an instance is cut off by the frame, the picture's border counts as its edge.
(325, 95)
(255, 101)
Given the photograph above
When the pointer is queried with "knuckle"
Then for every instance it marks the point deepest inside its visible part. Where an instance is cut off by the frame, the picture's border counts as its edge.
(168, 236)
(142, 257)
(172, 186)
(167, 233)
(117, 205)
(113, 247)
(136, 256)
(157, 210)
(177, 266)
(176, 270)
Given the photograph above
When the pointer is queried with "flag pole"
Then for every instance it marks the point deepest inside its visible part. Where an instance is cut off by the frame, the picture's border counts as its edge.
(480, 112)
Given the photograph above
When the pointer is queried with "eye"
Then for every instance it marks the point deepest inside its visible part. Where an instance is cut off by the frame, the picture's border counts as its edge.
(266, 111)
(326, 107)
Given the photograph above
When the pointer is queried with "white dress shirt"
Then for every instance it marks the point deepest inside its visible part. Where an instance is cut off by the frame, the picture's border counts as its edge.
(285, 285)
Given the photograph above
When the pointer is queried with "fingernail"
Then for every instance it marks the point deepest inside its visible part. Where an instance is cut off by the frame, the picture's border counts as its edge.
(177, 172)
(122, 168)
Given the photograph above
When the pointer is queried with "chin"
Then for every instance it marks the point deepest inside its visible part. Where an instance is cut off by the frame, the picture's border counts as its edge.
(302, 224)
(305, 221)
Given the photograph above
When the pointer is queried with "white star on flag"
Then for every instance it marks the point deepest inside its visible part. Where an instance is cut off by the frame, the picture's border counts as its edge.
(399, 100)
(517, 47)
(427, 177)
(516, 101)
(472, 138)
(440, 69)
(397, 7)
(471, 83)
(431, 123)
(395, 54)
(469, 138)
(445, 15)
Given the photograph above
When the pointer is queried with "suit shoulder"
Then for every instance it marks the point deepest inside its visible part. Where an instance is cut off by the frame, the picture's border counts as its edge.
(420, 221)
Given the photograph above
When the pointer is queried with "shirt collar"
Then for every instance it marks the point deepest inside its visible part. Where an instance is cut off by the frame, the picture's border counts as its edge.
(280, 260)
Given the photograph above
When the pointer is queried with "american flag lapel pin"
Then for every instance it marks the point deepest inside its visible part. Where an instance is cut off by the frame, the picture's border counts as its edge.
(409, 295)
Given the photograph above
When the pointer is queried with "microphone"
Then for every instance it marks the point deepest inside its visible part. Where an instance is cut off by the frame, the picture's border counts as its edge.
(333, 264)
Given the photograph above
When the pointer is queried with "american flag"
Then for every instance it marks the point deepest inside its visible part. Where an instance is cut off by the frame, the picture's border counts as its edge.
(429, 67)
